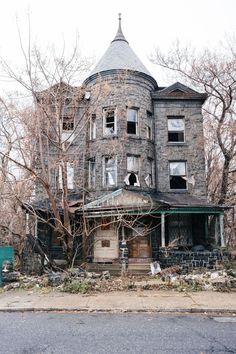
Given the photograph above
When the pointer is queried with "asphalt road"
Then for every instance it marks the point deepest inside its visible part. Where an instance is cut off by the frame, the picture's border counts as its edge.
(45, 333)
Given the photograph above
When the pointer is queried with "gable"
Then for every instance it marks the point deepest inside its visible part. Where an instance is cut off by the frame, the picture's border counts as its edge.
(179, 91)
(120, 198)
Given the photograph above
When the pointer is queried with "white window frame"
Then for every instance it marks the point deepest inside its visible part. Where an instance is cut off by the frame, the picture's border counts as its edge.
(131, 170)
(182, 175)
(92, 127)
(69, 176)
(134, 109)
(106, 130)
(105, 184)
(67, 134)
(177, 130)
(150, 178)
(92, 173)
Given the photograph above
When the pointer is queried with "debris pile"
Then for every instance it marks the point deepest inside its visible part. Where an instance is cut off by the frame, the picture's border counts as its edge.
(78, 280)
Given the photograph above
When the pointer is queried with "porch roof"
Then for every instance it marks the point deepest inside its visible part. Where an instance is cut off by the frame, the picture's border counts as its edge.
(132, 202)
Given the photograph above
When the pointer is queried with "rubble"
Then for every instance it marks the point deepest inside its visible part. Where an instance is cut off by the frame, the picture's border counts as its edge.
(78, 280)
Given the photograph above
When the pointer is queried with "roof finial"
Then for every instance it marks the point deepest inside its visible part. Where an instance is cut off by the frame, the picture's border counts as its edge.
(119, 36)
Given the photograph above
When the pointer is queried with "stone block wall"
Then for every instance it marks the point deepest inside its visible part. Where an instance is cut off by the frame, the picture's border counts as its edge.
(191, 151)
(121, 91)
(189, 260)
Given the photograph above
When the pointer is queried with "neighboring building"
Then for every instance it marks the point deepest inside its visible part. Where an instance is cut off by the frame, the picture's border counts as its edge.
(138, 165)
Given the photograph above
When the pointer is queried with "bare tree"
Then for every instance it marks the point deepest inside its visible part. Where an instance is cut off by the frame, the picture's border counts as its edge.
(214, 72)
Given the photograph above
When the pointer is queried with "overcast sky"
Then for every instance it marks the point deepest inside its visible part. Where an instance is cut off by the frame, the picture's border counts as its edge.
(146, 24)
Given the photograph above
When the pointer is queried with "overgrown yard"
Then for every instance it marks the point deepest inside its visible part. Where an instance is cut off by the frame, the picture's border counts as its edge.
(78, 281)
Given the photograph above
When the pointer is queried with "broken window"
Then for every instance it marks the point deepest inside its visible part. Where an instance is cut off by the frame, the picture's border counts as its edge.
(133, 169)
(178, 179)
(110, 171)
(109, 121)
(149, 179)
(92, 128)
(176, 129)
(66, 175)
(67, 123)
(132, 121)
(92, 172)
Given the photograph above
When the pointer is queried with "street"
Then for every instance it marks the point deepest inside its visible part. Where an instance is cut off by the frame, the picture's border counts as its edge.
(58, 333)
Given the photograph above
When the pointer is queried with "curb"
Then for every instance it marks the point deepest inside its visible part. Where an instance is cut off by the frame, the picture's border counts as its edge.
(109, 310)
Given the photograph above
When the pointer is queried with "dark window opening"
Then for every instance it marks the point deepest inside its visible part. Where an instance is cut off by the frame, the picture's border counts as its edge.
(132, 121)
(68, 123)
(132, 179)
(109, 126)
(176, 129)
(177, 182)
(178, 178)
(176, 137)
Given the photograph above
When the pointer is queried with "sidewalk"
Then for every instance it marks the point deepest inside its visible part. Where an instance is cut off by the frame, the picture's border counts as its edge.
(137, 301)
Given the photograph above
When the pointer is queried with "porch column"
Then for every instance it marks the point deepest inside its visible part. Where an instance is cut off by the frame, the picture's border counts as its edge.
(221, 221)
(27, 230)
(206, 229)
(163, 239)
(36, 227)
(216, 230)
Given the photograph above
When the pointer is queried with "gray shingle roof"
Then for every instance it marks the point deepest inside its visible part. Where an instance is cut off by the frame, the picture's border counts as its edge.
(119, 55)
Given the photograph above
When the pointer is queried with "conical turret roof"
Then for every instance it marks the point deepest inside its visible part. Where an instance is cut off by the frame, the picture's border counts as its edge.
(119, 56)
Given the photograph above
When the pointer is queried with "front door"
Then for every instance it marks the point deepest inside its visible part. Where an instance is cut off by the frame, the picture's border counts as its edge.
(139, 247)
(105, 245)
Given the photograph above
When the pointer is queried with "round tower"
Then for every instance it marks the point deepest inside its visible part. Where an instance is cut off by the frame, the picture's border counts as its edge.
(120, 150)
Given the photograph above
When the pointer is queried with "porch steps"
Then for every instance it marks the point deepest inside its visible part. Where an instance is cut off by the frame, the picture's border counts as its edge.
(115, 269)
(139, 268)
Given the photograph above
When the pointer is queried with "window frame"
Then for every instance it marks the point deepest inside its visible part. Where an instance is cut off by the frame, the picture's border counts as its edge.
(151, 173)
(92, 172)
(92, 127)
(149, 126)
(183, 176)
(70, 174)
(169, 132)
(106, 110)
(136, 122)
(105, 172)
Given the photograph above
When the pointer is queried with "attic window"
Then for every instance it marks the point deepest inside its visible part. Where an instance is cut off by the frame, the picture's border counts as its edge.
(67, 123)
(176, 129)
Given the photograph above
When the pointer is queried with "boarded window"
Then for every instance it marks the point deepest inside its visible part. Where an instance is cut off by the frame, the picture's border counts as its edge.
(178, 179)
(176, 129)
(132, 121)
(105, 243)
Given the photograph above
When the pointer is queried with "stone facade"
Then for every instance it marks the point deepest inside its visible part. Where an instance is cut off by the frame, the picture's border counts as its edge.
(189, 259)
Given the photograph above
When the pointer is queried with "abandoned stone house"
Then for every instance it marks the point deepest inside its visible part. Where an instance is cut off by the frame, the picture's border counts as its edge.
(142, 185)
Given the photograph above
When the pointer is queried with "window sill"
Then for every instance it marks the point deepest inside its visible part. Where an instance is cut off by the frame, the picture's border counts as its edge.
(179, 190)
(176, 143)
(112, 136)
